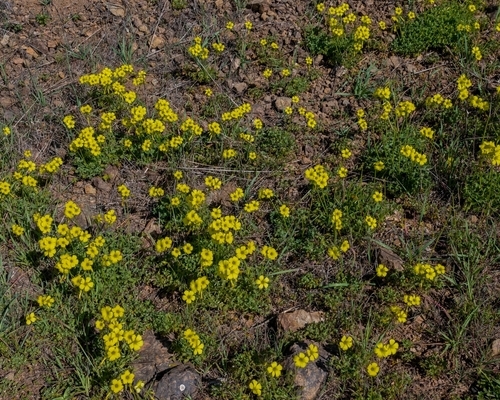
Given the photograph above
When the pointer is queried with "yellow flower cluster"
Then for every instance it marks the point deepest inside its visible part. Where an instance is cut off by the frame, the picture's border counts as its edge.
(409, 152)
(214, 128)
(230, 269)
(71, 210)
(213, 182)
(427, 271)
(404, 109)
(140, 78)
(221, 228)
(310, 355)
(165, 112)
(190, 126)
(371, 222)
(194, 341)
(491, 152)
(477, 102)
(335, 252)
(229, 153)
(438, 100)
(4, 187)
(109, 322)
(156, 192)
(463, 84)
(252, 206)
(51, 166)
(477, 53)
(69, 121)
(124, 191)
(337, 219)
(197, 50)
(400, 314)
(82, 283)
(163, 245)
(411, 300)
(219, 47)
(265, 193)
(192, 218)
(45, 301)
(427, 132)
(196, 198)
(386, 350)
(383, 93)
(317, 175)
(196, 286)
(17, 230)
(206, 257)
(269, 252)
(237, 113)
(86, 140)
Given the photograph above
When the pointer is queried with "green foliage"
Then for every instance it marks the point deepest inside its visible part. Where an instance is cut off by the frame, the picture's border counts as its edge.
(336, 50)
(482, 191)
(434, 29)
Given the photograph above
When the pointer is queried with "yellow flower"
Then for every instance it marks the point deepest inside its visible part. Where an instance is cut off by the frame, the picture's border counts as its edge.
(373, 369)
(30, 318)
(284, 211)
(116, 386)
(346, 153)
(274, 369)
(382, 270)
(255, 387)
(6, 130)
(248, 25)
(230, 25)
(127, 377)
(300, 360)
(346, 343)
(378, 196)
(342, 172)
(262, 282)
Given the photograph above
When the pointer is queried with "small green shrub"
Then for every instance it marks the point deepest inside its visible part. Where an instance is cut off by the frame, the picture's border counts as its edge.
(434, 29)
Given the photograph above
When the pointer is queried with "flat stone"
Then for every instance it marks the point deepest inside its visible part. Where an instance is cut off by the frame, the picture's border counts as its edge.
(179, 383)
(157, 42)
(282, 102)
(292, 322)
(309, 379)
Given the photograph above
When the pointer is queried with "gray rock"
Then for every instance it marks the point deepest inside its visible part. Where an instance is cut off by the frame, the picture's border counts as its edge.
(309, 379)
(178, 383)
(282, 102)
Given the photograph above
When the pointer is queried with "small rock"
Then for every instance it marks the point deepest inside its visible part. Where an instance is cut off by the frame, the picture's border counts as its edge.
(111, 172)
(30, 51)
(282, 102)
(394, 61)
(308, 379)
(5, 40)
(318, 59)
(18, 60)
(89, 189)
(178, 383)
(6, 101)
(157, 42)
(473, 219)
(292, 322)
(153, 358)
(52, 44)
(495, 348)
(10, 376)
(268, 99)
(259, 6)
(240, 87)
(390, 259)
(61, 75)
(102, 185)
(116, 9)
(411, 68)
